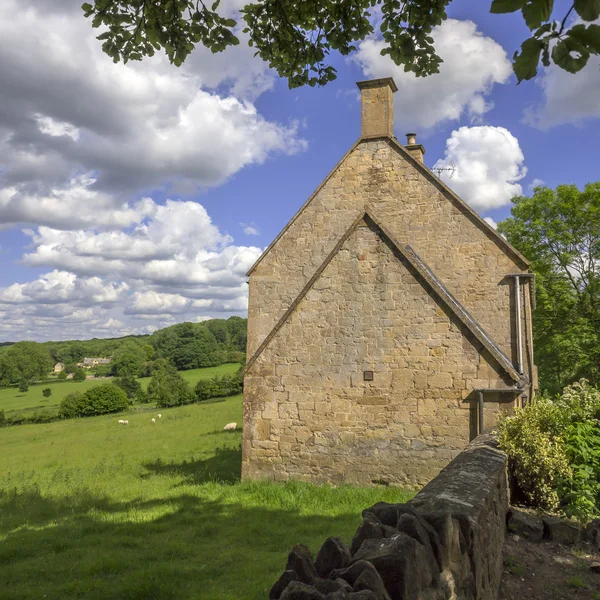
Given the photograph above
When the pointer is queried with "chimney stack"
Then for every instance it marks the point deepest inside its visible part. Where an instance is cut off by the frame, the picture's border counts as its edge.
(415, 150)
(377, 107)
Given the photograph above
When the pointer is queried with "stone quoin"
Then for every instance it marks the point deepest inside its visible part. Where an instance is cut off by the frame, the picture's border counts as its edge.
(388, 324)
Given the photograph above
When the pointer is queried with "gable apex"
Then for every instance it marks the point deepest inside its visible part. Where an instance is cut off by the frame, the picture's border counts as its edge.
(470, 213)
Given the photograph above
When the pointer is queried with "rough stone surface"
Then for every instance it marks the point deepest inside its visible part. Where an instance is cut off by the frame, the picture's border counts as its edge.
(300, 560)
(334, 554)
(446, 543)
(297, 590)
(309, 414)
(525, 524)
(561, 530)
(592, 533)
(286, 578)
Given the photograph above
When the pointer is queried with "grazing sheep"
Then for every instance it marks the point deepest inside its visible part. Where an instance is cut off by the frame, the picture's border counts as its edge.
(230, 427)
(125, 422)
(159, 416)
(154, 420)
(121, 422)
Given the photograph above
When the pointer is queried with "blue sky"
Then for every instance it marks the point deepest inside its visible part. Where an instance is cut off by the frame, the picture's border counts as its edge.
(134, 197)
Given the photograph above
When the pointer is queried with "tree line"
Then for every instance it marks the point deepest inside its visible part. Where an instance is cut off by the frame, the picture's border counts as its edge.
(184, 346)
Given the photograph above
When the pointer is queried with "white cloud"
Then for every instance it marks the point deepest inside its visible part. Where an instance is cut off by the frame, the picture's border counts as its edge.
(491, 222)
(535, 183)
(250, 228)
(489, 163)
(79, 135)
(473, 63)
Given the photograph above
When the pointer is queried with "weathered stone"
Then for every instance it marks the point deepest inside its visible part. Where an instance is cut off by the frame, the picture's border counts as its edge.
(561, 531)
(592, 533)
(363, 595)
(370, 528)
(402, 564)
(416, 529)
(526, 525)
(341, 594)
(328, 586)
(386, 513)
(370, 579)
(334, 554)
(595, 567)
(286, 578)
(300, 560)
(297, 590)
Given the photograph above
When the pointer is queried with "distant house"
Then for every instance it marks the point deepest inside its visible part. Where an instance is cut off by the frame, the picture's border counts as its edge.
(59, 367)
(89, 363)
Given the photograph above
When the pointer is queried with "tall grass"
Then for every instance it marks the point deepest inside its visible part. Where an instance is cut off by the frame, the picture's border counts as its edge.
(93, 509)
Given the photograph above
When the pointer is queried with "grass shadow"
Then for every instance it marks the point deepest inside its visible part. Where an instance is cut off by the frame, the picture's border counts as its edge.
(223, 466)
(180, 547)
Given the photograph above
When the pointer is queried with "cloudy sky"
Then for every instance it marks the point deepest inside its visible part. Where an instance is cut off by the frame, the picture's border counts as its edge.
(136, 196)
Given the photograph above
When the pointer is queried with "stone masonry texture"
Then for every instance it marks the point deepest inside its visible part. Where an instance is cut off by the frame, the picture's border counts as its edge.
(309, 414)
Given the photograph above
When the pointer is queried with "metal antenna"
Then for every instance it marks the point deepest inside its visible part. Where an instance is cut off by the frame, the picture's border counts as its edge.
(450, 170)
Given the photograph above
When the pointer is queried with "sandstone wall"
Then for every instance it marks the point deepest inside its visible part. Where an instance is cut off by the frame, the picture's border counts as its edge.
(445, 544)
(310, 415)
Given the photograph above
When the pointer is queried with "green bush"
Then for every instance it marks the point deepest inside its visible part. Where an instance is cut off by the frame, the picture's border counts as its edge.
(46, 392)
(554, 451)
(168, 388)
(104, 399)
(218, 386)
(79, 375)
(62, 376)
(24, 386)
(72, 406)
(2, 418)
(130, 385)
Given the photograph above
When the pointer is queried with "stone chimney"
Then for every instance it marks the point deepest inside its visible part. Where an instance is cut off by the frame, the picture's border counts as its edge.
(415, 150)
(377, 107)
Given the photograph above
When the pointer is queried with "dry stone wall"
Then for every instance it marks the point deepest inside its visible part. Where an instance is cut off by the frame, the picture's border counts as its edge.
(445, 544)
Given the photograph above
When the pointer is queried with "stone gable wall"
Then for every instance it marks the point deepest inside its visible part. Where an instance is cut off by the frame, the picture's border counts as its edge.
(310, 415)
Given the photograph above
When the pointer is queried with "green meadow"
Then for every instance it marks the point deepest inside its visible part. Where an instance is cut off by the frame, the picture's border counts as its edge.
(96, 510)
(13, 401)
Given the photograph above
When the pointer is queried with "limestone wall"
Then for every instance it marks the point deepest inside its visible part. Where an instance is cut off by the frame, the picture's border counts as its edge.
(445, 544)
(309, 413)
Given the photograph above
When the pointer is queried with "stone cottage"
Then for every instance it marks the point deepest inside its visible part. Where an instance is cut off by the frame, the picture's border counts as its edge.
(388, 323)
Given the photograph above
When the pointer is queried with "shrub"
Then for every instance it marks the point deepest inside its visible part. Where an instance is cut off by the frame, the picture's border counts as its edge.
(104, 399)
(168, 388)
(130, 385)
(218, 387)
(46, 392)
(554, 450)
(2, 418)
(24, 386)
(72, 406)
(537, 455)
(62, 375)
(79, 375)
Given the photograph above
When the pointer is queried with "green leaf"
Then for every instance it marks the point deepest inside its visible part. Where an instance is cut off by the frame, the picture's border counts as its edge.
(588, 10)
(525, 64)
(86, 7)
(588, 36)
(229, 23)
(506, 6)
(563, 55)
(536, 12)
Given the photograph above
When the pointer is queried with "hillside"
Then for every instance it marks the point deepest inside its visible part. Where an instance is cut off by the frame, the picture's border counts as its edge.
(93, 509)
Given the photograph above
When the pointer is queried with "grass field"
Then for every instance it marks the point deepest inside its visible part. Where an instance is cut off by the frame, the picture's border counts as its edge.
(12, 401)
(96, 510)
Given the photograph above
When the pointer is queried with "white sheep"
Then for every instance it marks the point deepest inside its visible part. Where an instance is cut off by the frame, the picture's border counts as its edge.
(159, 416)
(153, 420)
(121, 422)
(230, 427)
(125, 422)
